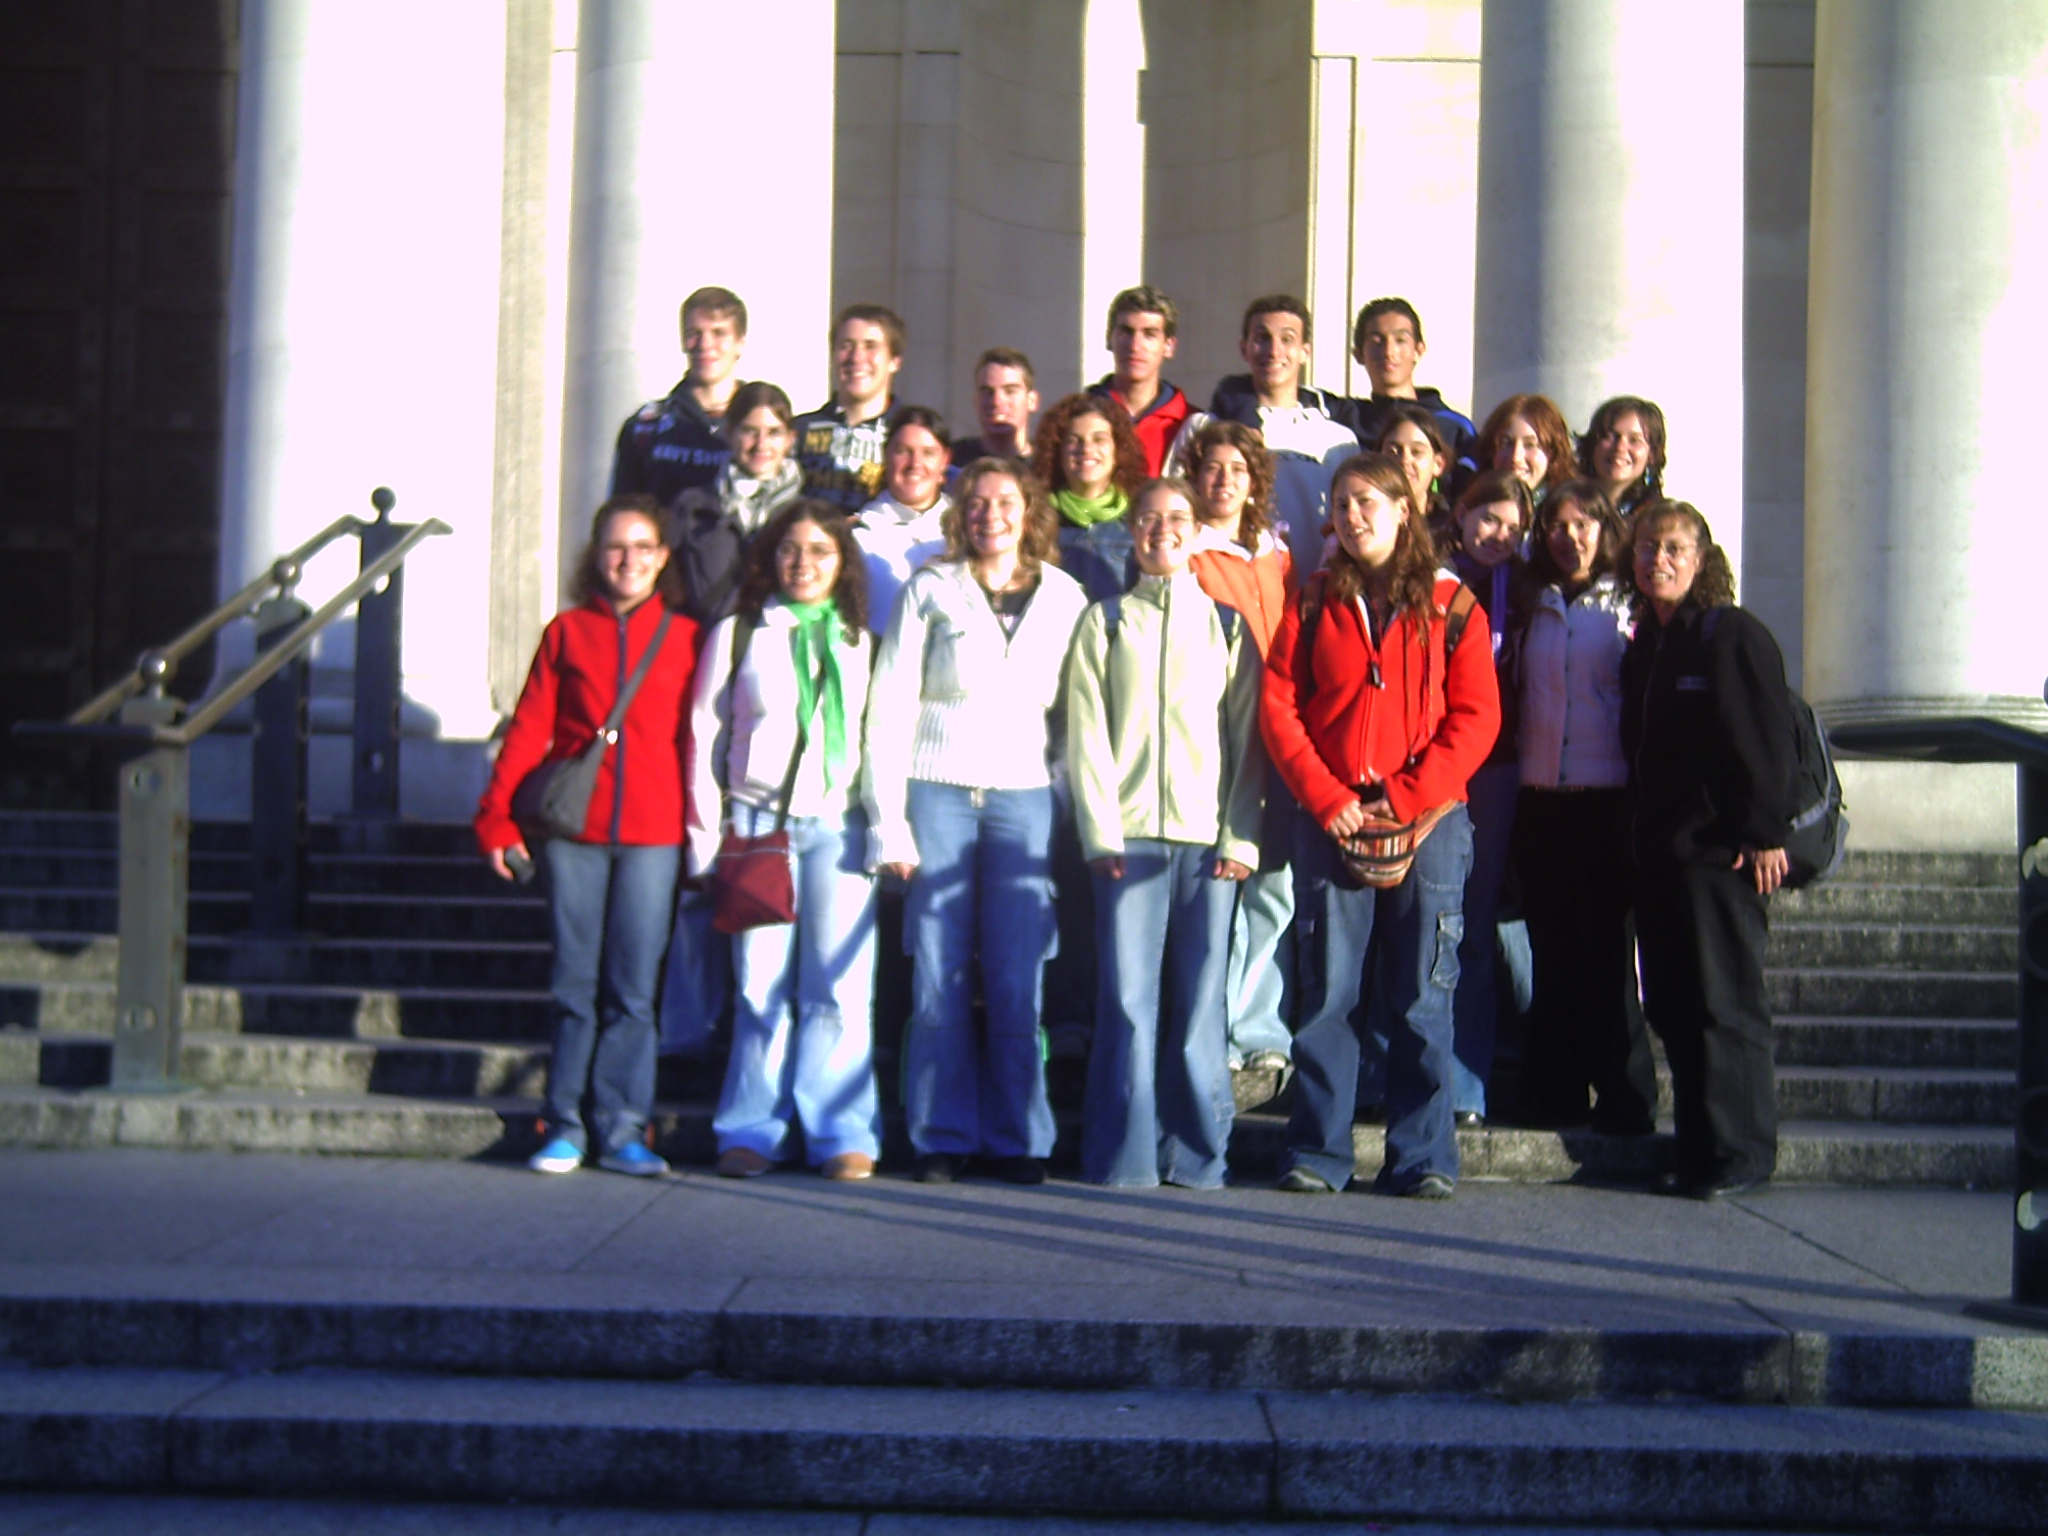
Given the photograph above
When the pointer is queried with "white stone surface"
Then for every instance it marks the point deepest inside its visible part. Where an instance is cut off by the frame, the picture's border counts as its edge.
(1611, 222)
(1927, 322)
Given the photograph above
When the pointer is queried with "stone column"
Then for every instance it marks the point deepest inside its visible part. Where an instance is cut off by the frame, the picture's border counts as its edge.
(1927, 326)
(681, 181)
(1611, 222)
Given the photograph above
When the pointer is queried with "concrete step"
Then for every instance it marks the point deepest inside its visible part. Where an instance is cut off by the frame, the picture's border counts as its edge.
(1898, 1095)
(459, 918)
(633, 1327)
(281, 1120)
(376, 964)
(1886, 867)
(338, 1013)
(100, 831)
(1215, 1454)
(1807, 1041)
(228, 874)
(1848, 902)
(1890, 946)
(1837, 992)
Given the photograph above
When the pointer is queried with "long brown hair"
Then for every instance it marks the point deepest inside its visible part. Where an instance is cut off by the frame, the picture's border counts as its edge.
(1423, 420)
(588, 582)
(1714, 586)
(1547, 421)
(1128, 472)
(1412, 583)
(1591, 500)
(759, 580)
(1040, 545)
(1258, 504)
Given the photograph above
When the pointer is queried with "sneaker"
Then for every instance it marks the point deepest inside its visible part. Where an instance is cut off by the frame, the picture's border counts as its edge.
(938, 1168)
(1268, 1061)
(560, 1155)
(1431, 1186)
(742, 1163)
(848, 1166)
(1304, 1181)
(1469, 1120)
(633, 1160)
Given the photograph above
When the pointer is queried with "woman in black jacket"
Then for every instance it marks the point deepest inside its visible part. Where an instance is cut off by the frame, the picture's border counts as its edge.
(1707, 725)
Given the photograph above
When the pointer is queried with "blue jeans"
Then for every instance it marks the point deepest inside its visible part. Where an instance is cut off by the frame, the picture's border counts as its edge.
(696, 985)
(1493, 793)
(1260, 985)
(611, 905)
(803, 1041)
(1159, 1104)
(1410, 935)
(1099, 557)
(982, 888)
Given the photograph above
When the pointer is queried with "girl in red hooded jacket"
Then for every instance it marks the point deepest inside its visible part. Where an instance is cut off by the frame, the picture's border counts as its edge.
(1379, 703)
(611, 890)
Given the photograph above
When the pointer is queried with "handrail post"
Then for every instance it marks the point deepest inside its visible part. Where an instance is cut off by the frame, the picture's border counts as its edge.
(379, 616)
(156, 827)
(2030, 1149)
(277, 767)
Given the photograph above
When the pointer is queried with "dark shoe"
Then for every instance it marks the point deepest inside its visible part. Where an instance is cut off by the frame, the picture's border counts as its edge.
(742, 1163)
(938, 1168)
(1305, 1181)
(1431, 1186)
(1469, 1120)
(1018, 1170)
(1706, 1190)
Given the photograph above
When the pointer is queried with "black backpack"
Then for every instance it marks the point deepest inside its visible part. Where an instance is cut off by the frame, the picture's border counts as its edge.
(1819, 839)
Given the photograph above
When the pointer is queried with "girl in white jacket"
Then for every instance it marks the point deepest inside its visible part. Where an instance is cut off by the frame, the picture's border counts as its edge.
(775, 739)
(1571, 838)
(959, 785)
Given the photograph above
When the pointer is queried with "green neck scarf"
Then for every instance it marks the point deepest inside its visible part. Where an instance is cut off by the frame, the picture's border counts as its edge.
(813, 646)
(1086, 512)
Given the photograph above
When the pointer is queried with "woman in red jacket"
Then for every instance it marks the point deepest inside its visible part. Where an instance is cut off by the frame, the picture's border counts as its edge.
(611, 891)
(1380, 701)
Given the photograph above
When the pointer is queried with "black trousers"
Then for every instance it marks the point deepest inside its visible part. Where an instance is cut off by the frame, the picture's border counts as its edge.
(1703, 932)
(1585, 1023)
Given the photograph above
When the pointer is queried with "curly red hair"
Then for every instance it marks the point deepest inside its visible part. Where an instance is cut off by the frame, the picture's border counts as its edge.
(1129, 472)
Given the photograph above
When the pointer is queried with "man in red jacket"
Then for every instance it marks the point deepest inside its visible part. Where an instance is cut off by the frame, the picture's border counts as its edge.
(1143, 325)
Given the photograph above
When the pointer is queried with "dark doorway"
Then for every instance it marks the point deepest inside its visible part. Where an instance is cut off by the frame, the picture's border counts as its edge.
(117, 123)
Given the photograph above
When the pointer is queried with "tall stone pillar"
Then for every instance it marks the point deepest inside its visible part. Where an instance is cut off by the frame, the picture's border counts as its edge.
(1927, 327)
(1611, 222)
(680, 181)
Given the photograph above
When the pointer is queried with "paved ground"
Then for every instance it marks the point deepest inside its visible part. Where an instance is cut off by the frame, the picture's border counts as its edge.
(122, 1516)
(283, 1227)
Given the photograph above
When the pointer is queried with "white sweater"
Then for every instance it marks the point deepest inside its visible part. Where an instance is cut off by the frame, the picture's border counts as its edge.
(1571, 689)
(741, 736)
(957, 701)
(896, 542)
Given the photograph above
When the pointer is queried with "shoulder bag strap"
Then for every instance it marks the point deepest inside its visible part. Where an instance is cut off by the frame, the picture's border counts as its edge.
(803, 737)
(609, 731)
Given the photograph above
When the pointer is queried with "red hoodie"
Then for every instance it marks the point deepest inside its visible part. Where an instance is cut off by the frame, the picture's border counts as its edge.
(585, 654)
(1160, 424)
(1422, 730)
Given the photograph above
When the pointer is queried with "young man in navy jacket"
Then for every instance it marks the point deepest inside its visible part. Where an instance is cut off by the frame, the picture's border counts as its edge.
(672, 444)
(1388, 342)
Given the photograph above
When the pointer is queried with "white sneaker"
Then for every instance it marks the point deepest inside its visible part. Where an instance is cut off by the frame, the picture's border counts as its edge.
(559, 1156)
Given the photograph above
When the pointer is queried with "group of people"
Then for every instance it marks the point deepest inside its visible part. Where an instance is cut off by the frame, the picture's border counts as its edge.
(1191, 741)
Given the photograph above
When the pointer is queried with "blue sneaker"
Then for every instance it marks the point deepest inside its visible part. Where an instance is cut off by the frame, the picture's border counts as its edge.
(559, 1156)
(633, 1160)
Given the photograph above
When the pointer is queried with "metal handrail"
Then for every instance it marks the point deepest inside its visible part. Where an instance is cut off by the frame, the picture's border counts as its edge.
(159, 664)
(261, 670)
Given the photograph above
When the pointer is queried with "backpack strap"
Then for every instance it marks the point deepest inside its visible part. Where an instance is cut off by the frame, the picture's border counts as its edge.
(1456, 617)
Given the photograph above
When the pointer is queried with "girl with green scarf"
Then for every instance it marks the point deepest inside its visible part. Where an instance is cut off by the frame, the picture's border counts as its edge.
(775, 744)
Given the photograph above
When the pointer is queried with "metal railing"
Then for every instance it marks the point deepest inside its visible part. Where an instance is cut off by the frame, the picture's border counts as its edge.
(1976, 739)
(154, 732)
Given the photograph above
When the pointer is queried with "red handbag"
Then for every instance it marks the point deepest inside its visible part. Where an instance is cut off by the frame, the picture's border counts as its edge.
(752, 884)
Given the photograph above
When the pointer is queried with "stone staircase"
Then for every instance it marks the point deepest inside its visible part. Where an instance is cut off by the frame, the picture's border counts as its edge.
(417, 1021)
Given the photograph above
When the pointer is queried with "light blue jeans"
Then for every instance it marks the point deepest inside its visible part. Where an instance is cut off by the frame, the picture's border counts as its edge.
(1260, 986)
(1159, 1105)
(982, 890)
(1409, 936)
(611, 905)
(803, 1044)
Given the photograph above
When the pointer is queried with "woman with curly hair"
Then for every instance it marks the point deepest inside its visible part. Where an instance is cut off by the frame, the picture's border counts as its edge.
(775, 743)
(959, 790)
(1707, 728)
(1240, 561)
(1527, 434)
(1623, 449)
(1089, 457)
(1380, 703)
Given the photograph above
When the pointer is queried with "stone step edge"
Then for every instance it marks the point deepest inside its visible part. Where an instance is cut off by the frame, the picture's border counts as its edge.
(629, 1337)
(1860, 1153)
(1215, 1454)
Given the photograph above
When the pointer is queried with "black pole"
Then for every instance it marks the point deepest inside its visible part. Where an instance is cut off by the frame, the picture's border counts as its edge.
(374, 782)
